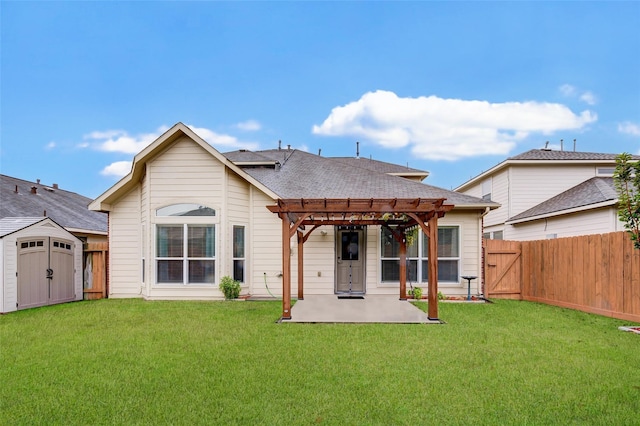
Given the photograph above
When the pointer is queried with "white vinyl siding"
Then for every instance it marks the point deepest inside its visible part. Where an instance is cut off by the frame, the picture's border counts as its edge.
(532, 185)
(499, 194)
(125, 262)
(600, 221)
(265, 249)
(185, 172)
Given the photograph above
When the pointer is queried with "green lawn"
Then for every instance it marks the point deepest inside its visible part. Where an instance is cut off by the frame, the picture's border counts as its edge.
(136, 362)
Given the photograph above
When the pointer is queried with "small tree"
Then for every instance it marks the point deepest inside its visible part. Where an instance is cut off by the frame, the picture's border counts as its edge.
(626, 179)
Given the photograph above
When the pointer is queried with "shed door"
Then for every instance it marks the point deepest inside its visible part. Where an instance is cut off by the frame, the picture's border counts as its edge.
(45, 271)
(61, 271)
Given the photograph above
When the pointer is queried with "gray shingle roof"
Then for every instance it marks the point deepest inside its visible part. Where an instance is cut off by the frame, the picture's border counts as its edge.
(305, 175)
(66, 208)
(592, 191)
(548, 154)
(378, 166)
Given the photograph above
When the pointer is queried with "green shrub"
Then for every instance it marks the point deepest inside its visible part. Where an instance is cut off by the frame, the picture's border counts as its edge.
(441, 296)
(230, 287)
(417, 293)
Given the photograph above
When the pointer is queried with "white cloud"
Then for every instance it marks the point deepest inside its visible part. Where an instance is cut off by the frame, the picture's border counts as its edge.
(221, 141)
(121, 141)
(447, 129)
(586, 96)
(50, 145)
(629, 128)
(249, 126)
(117, 169)
(567, 90)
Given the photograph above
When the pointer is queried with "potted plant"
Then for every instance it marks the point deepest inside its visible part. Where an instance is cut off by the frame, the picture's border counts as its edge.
(230, 288)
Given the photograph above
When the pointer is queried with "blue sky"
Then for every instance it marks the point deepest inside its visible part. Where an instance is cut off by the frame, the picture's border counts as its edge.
(449, 87)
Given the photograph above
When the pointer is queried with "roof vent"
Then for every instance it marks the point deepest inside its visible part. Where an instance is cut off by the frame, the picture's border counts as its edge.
(34, 189)
(55, 186)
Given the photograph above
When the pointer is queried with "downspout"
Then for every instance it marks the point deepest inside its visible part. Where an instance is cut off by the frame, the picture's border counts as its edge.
(482, 282)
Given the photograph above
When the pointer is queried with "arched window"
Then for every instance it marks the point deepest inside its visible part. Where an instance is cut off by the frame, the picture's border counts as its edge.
(185, 209)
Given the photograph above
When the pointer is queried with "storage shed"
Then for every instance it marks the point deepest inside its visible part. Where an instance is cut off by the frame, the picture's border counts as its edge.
(41, 263)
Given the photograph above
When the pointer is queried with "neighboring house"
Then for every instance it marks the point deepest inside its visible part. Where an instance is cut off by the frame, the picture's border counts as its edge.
(21, 198)
(187, 215)
(546, 193)
(42, 231)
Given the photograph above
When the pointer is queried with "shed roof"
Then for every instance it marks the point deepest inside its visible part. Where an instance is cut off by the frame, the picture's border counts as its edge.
(9, 225)
(595, 191)
(21, 198)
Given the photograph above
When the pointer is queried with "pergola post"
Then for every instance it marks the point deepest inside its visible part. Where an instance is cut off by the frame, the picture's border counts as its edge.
(301, 240)
(433, 268)
(286, 267)
(403, 267)
(295, 214)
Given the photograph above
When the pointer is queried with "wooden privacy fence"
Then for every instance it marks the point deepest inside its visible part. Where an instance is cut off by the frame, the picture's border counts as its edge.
(95, 271)
(592, 273)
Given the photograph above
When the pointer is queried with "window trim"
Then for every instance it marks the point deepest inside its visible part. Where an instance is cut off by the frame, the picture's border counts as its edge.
(420, 258)
(244, 257)
(185, 255)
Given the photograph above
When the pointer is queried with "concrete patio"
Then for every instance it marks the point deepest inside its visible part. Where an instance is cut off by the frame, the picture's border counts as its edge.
(371, 309)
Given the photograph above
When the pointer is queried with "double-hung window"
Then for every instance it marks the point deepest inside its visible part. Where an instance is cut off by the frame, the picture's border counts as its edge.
(185, 247)
(418, 256)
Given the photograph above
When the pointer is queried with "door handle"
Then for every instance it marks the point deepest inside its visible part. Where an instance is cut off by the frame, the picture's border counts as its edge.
(49, 273)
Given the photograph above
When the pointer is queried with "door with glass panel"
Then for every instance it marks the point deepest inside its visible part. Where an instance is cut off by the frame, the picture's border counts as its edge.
(350, 256)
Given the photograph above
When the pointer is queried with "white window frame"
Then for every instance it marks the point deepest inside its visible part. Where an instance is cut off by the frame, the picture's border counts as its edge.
(185, 254)
(244, 254)
(185, 222)
(487, 188)
(420, 258)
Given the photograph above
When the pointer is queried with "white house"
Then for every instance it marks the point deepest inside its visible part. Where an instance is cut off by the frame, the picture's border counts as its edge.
(187, 215)
(547, 193)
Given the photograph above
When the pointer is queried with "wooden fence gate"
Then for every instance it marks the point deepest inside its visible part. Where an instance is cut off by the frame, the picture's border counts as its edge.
(592, 273)
(503, 269)
(95, 271)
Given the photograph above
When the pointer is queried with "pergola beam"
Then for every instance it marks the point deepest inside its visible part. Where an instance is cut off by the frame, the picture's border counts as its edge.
(404, 213)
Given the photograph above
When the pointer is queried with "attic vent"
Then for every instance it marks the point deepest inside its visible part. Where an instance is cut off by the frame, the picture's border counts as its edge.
(46, 188)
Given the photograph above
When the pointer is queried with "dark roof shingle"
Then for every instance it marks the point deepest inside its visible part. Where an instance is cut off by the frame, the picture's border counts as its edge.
(550, 155)
(66, 208)
(305, 175)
